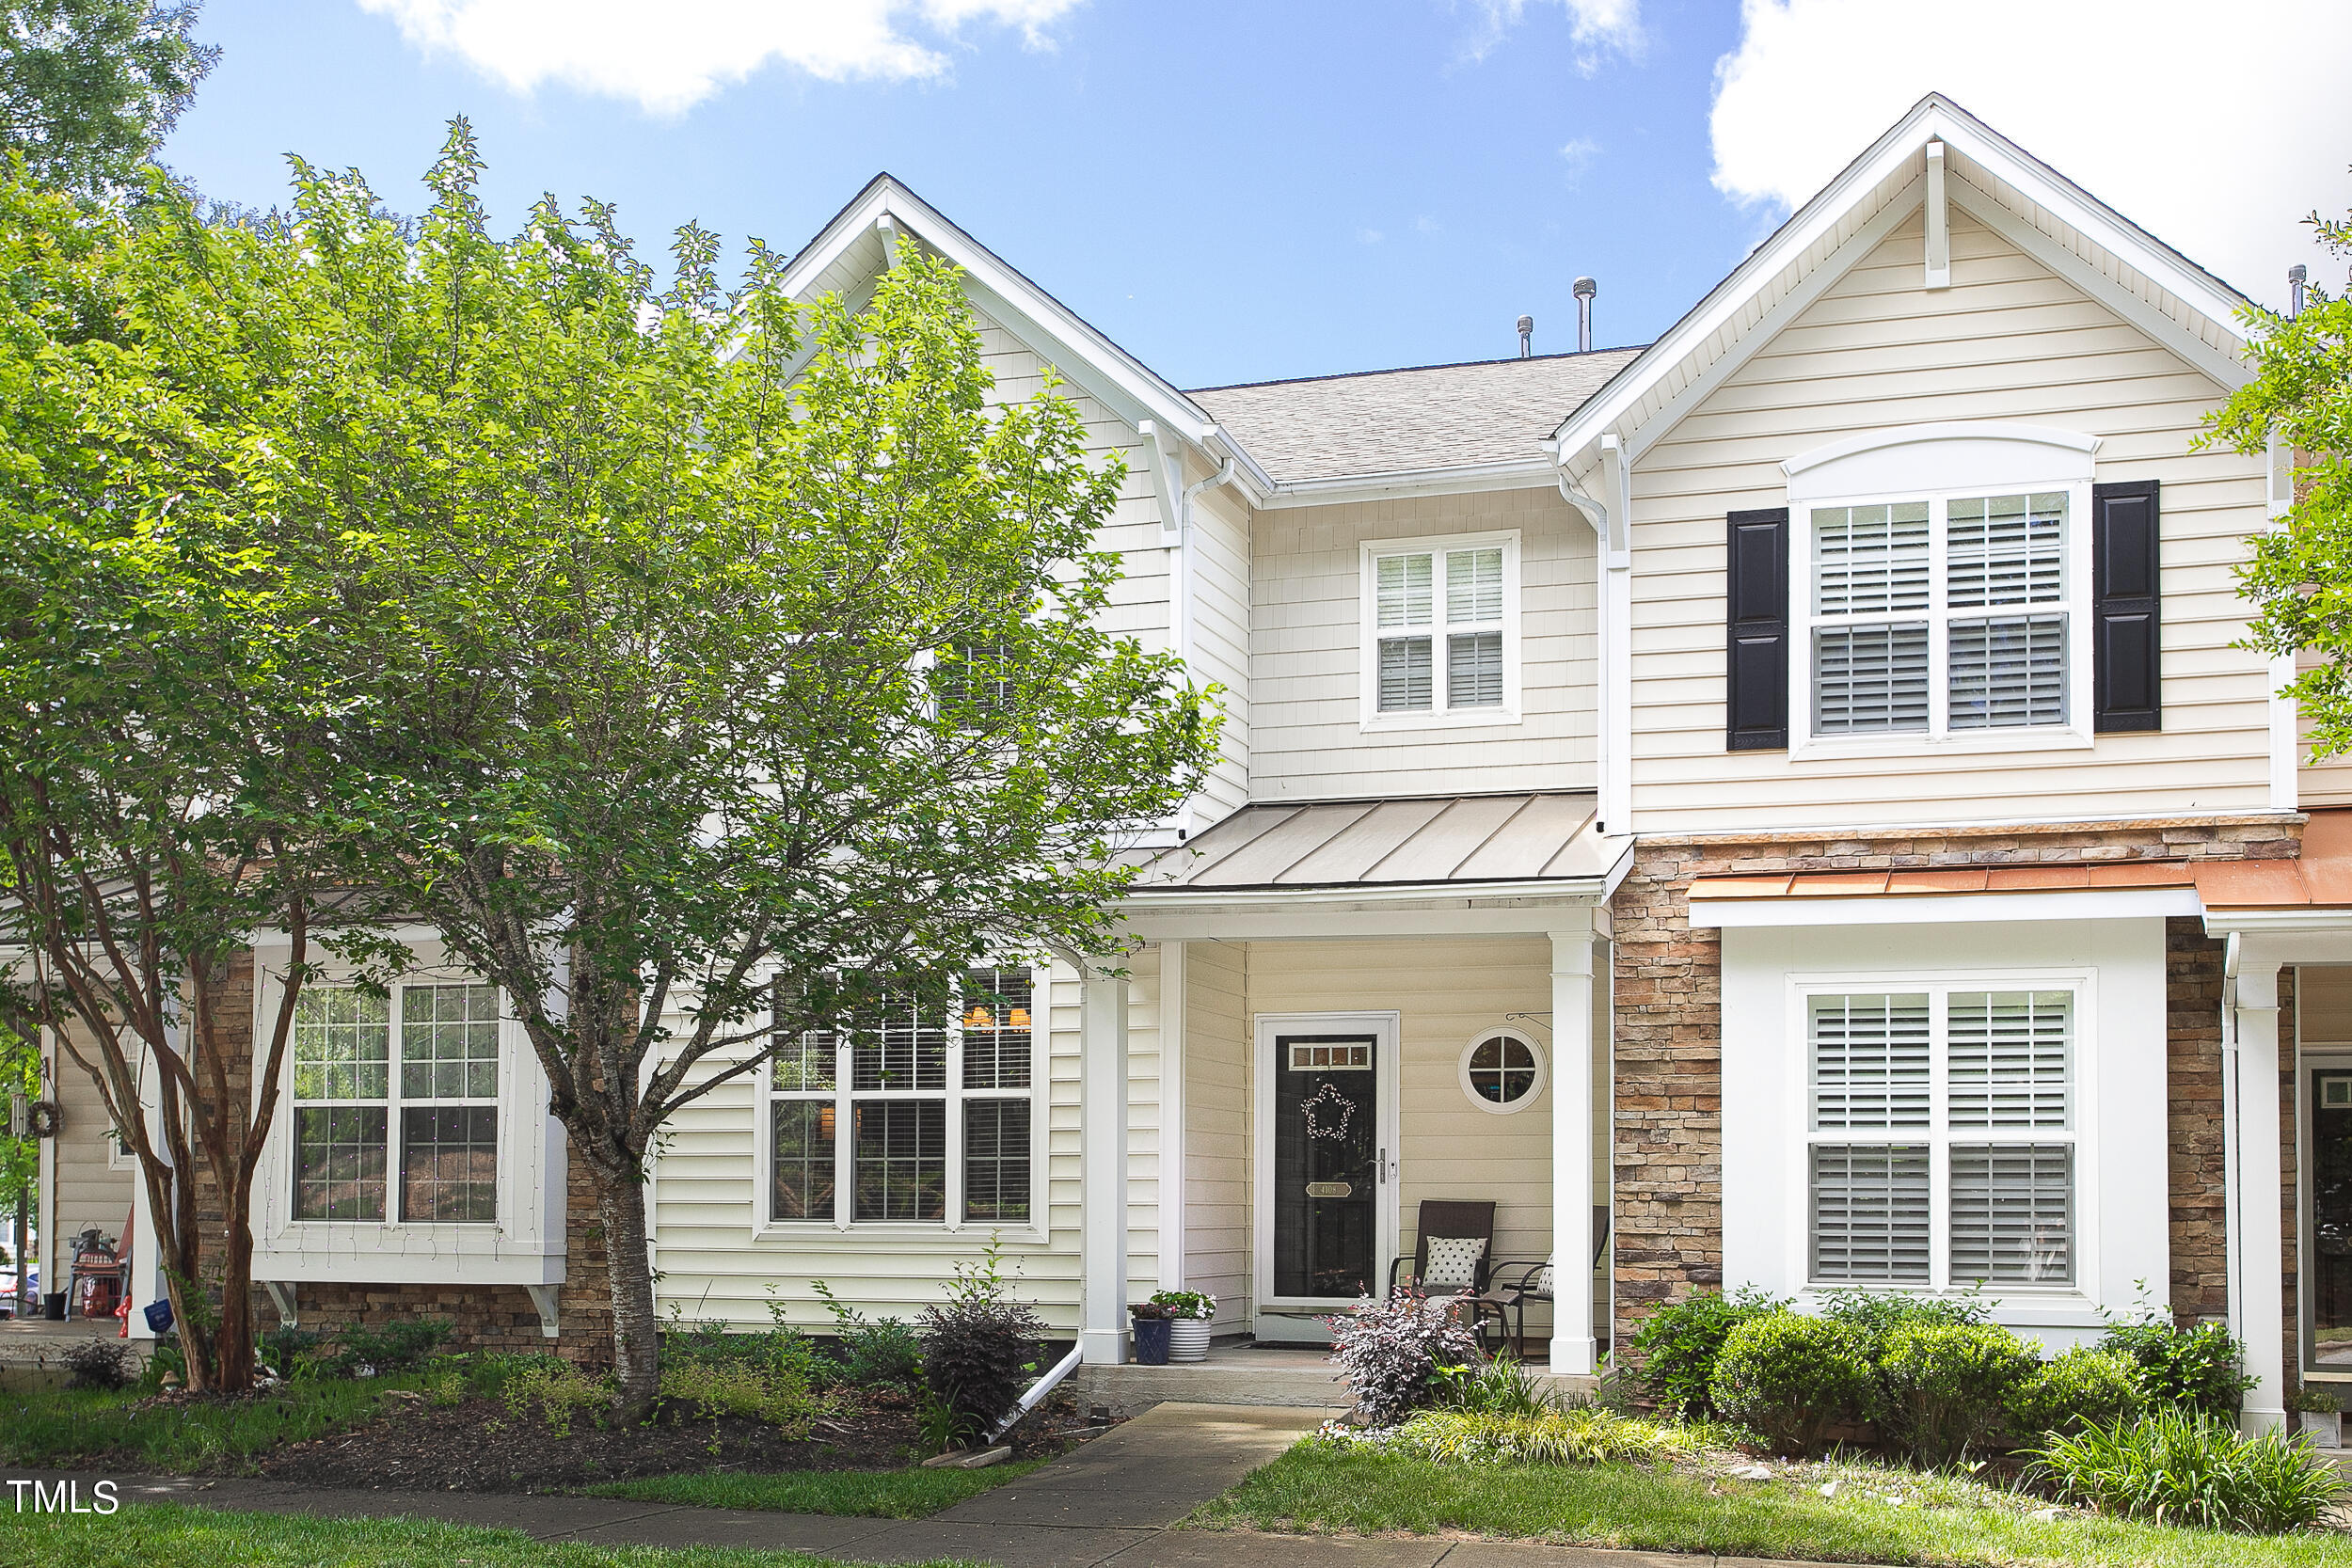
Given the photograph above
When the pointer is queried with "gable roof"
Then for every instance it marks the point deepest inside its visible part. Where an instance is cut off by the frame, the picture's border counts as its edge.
(2145, 280)
(1484, 414)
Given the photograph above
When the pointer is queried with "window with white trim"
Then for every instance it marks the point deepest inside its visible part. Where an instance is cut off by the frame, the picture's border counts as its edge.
(396, 1104)
(1942, 615)
(915, 1111)
(1941, 1150)
(1442, 630)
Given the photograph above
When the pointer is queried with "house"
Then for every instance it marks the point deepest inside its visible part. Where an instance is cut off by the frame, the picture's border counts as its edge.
(1783, 806)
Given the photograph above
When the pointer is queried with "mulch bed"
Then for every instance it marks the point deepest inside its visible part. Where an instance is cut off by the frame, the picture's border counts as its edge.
(481, 1445)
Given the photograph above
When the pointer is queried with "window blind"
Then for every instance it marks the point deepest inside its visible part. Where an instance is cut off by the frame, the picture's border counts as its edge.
(2007, 671)
(2007, 549)
(1869, 678)
(1473, 669)
(1473, 585)
(2008, 1063)
(1405, 674)
(1870, 1061)
(1871, 1213)
(1870, 560)
(2013, 1215)
(1402, 588)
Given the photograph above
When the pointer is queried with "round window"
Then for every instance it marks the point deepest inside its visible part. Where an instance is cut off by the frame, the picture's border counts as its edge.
(1501, 1070)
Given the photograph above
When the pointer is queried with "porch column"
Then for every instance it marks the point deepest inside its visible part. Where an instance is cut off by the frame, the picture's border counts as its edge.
(1102, 1139)
(1572, 1149)
(2258, 1310)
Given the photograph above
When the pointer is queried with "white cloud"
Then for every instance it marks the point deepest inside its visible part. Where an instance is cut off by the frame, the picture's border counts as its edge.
(1369, 236)
(1597, 27)
(1579, 155)
(2215, 132)
(1427, 225)
(669, 57)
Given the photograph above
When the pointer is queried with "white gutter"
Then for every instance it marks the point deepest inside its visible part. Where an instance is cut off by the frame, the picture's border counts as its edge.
(1176, 497)
(1038, 1391)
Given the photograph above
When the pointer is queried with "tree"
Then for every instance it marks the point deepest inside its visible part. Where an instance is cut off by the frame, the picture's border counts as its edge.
(89, 88)
(2300, 576)
(728, 662)
(162, 744)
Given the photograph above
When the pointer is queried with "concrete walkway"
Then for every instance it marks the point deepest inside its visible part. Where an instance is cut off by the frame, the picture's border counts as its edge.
(1114, 1497)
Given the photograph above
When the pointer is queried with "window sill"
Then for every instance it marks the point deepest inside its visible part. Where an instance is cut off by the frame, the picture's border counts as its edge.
(800, 1232)
(1475, 719)
(1959, 743)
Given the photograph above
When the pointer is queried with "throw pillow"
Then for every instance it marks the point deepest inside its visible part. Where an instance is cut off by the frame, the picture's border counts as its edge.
(1454, 1262)
(1543, 1279)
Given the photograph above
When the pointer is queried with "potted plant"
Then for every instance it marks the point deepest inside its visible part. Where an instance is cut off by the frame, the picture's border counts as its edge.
(1151, 1326)
(2321, 1408)
(1190, 1314)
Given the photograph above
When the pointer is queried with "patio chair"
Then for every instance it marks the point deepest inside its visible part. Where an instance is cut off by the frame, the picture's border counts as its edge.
(1452, 1257)
(1515, 1283)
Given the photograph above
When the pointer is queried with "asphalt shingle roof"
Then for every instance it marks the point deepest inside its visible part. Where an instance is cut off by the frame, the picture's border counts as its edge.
(1397, 421)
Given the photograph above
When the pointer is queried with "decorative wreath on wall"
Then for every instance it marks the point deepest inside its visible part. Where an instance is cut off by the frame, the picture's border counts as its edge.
(42, 1116)
(1327, 1111)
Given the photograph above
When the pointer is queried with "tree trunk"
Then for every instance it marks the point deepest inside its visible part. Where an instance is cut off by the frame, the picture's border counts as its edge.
(234, 1345)
(629, 1269)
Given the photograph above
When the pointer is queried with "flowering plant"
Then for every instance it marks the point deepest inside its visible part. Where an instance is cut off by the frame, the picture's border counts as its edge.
(1391, 1351)
(1187, 1304)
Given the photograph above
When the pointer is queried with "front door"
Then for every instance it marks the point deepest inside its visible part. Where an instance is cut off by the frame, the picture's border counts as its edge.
(1326, 1159)
(2329, 1109)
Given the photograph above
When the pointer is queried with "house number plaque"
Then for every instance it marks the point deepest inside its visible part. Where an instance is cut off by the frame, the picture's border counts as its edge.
(1329, 1188)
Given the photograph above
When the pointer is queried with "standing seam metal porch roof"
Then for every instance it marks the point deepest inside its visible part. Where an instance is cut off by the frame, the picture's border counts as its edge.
(1419, 842)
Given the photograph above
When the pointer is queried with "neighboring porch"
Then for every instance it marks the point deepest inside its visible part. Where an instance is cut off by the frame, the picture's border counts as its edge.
(1332, 1048)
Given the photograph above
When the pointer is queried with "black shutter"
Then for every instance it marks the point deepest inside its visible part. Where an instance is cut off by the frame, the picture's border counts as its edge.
(2126, 690)
(1756, 661)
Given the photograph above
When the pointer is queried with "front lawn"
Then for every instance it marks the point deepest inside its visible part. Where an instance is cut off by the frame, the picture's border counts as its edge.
(866, 1493)
(59, 1429)
(1321, 1487)
(145, 1534)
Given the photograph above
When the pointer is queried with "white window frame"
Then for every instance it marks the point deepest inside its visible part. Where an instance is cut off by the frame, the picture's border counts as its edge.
(764, 1226)
(1508, 1107)
(1938, 615)
(1438, 715)
(1938, 1136)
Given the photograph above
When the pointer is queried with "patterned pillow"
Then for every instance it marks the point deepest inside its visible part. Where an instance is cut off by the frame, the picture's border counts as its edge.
(1454, 1262)
(1543, 1280)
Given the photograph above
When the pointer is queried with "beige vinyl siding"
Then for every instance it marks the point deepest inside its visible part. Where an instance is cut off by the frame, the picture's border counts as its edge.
(2009, 341)
(2318, 783)
(1220, 643)
(1143, 1123)
(2323, 1004)
(1447, 990)
(1308, 739)
(1217, 1253)
(90, 1187)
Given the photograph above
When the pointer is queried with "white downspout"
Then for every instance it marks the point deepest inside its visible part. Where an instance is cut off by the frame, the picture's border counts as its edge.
(2285, 747)
(2233, 1231)
(1612, 605)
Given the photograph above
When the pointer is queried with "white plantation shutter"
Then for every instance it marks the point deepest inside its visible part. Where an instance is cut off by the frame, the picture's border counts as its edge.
(1870, 1061)
(1404, 674)
(1870, 560)
(1404, 591)
(2009, 672)
(2007, 549)
(1869, 678)
(1473, 669)
(1871, 1213)
(1473, 585)
(2010, 1058)
(2013, 1217)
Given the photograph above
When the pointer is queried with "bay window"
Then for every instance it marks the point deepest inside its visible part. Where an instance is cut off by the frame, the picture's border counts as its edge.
(1944, 614)
(1442, 630)
(919, 1110)
(396, 1104)
(1941, 1149)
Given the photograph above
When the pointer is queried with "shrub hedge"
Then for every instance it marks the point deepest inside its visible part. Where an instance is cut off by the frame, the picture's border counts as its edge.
(1790, 1378)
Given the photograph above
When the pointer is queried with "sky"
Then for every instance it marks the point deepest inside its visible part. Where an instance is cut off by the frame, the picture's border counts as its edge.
(1251, 191)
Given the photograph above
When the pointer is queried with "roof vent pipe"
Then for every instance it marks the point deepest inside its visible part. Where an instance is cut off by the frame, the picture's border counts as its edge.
(1527, 336)
(1585, 289)
(2295, 275)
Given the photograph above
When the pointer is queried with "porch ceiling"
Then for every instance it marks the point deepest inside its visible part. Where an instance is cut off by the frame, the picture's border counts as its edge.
(1439, 841)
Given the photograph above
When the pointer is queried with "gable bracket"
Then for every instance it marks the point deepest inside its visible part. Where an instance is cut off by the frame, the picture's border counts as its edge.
(1939, 247)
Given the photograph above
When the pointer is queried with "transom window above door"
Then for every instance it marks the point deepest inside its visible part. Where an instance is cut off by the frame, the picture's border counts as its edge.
(1943, 616)
(1441, 643)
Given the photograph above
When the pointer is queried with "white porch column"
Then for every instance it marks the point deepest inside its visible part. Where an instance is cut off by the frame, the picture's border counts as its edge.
(1572, 1149)
(2258, 1311)
(1171, 1160)
(1102, 1139)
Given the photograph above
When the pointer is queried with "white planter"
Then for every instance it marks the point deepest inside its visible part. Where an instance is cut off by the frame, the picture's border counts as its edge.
(2325, 1428)
(1188, 1339)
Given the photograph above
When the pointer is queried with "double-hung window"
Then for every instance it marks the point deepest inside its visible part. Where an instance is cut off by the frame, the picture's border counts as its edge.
(1941, 1150)
(1943, 616)
(396, 1104)
(1441, 630)
(918, 1110)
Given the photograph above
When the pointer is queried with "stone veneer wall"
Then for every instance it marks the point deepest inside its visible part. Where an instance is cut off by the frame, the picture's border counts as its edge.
(1667, 1141)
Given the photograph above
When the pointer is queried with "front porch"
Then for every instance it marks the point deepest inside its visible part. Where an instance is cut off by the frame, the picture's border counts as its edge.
(1292, 1067)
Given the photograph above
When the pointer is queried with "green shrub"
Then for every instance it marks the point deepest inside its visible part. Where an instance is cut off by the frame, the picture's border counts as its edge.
(1875, 1315)
(873, 1354)
(2201, 1369)
(1941, 1386)
(1500, 1386)
(1586, 1436)
(401, 1345)
(1678, 1344)
(103, 1364)
(560, 1389)
(2079, 1388)
(287, 1350)
(715, 1388)
(2176, 1467)
(1789, 1378)
(979, 1346)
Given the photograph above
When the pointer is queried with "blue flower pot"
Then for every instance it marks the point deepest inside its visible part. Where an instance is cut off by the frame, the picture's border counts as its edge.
(1152, 1341)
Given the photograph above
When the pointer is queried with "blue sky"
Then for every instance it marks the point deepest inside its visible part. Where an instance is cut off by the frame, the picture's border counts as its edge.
(1236, 192)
